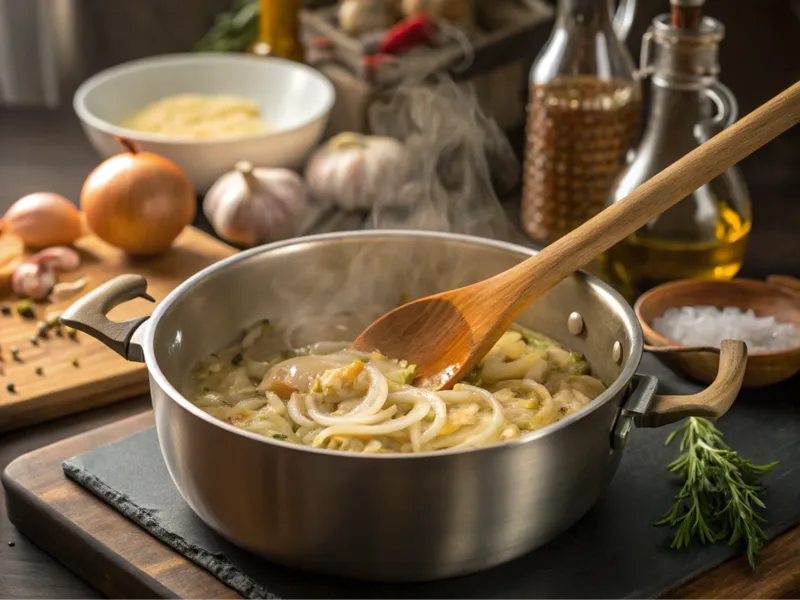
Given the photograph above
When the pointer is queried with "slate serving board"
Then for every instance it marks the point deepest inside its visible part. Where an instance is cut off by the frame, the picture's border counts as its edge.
(614, 551)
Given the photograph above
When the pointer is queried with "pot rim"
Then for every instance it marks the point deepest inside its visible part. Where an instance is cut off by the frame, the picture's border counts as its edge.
(604, 289)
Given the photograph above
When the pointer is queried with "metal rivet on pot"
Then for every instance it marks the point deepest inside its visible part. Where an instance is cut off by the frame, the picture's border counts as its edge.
(575, 323)
(616, 352)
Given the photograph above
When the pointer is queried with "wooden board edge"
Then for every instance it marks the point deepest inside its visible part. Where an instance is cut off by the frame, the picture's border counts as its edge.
(108, 433)
(24, 414)
(29, 514)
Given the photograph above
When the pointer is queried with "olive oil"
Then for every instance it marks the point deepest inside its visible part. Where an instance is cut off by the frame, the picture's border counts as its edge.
(705, 235)
(646, 259)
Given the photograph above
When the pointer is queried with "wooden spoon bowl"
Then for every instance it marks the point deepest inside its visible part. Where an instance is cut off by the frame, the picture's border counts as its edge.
(778, 297)
(446, 335)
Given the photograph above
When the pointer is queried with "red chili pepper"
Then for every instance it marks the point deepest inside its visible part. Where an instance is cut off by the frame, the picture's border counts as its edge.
(407, 34)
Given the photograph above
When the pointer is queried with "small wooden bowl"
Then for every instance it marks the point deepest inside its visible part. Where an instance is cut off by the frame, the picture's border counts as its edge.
(779, 297)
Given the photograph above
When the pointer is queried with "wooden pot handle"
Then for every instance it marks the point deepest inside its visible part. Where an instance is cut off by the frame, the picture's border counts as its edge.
(712, 402)
(785, 283)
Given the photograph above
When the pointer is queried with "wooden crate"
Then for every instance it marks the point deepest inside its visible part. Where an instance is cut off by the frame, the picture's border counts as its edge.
(502, 46)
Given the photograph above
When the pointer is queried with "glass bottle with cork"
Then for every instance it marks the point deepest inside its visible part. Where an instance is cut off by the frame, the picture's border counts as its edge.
(583, 117)
(705, 235)
(279, 30)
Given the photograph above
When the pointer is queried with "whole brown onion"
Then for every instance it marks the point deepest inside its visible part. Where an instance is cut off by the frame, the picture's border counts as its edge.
(138, 201)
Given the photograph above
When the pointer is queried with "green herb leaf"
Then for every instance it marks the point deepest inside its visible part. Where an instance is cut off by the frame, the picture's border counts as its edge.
(720, 494)
(280, 436)
(233, 31)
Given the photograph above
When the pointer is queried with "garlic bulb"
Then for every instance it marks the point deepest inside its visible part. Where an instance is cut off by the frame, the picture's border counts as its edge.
(352, 170)
(357, 17)
(456, 12)
(251, 206)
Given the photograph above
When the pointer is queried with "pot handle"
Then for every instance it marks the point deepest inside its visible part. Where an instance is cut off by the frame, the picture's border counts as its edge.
(712, 402)
(88, 314)
(645, 408)
(785, 283)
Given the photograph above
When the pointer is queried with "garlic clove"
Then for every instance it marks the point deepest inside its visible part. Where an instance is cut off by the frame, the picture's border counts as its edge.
(60, 258)
(65, 291)
(31, 280)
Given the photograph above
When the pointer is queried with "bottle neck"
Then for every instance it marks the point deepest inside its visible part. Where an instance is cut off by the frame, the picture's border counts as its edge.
(279, 27)
(584, 12)
(675, 113)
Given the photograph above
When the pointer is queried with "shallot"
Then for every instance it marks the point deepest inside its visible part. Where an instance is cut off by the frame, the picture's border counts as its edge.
(43, 219)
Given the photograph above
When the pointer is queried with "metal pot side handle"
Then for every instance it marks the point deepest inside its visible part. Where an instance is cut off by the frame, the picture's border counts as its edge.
(646, 408)
(88, 314)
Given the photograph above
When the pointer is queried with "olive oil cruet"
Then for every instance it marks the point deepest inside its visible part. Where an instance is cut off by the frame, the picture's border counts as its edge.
(705, 235)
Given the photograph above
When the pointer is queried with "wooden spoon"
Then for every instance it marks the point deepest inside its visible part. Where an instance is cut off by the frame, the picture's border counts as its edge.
(446, 335)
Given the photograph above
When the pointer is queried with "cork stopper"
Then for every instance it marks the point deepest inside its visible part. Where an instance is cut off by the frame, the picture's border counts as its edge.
(686, 14)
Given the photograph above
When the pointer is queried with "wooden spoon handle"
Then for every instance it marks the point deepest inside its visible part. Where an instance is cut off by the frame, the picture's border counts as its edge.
(536, 275)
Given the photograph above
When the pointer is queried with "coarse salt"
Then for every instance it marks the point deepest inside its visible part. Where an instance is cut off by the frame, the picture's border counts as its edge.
(709, 325)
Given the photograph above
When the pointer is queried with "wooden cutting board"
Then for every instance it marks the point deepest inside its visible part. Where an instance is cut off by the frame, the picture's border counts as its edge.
(123, 561)
(100, 375)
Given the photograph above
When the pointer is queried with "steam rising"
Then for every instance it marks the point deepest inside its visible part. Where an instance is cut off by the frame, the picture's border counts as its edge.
(456, 158)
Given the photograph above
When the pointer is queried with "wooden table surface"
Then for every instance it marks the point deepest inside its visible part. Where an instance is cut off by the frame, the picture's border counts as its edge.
(50, 152)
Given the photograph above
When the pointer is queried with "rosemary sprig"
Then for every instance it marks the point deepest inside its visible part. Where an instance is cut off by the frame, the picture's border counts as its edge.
(721, 491)
(233, 31)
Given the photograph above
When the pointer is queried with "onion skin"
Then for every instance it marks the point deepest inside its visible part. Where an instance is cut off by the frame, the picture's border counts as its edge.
(44, 219)
(138, 201)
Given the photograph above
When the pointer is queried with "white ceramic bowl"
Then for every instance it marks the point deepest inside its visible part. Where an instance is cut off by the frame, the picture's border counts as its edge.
(295, 100)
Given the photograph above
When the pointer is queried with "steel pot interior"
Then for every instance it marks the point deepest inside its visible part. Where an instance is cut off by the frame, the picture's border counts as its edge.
(329, 287)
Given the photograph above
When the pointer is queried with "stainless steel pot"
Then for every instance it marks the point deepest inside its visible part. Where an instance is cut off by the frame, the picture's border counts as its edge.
(386, 517)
